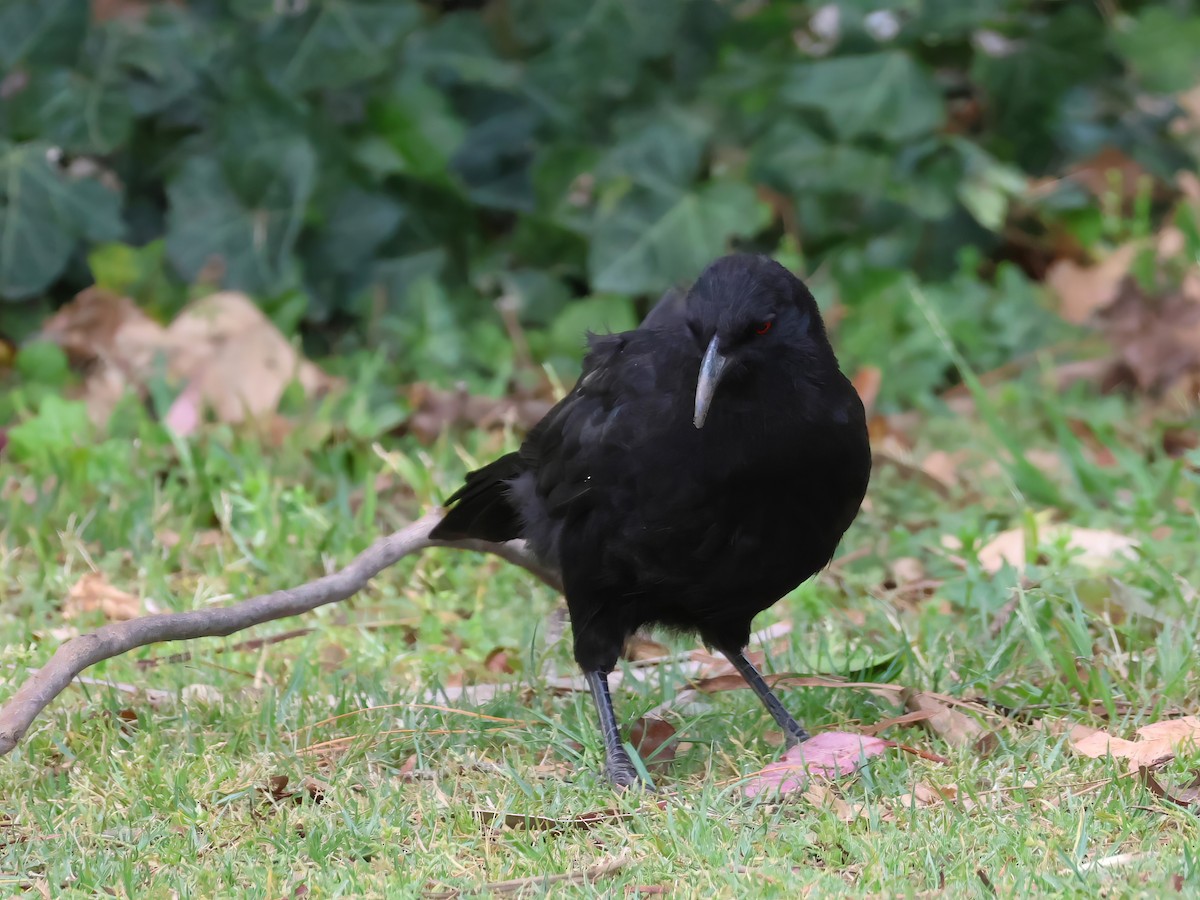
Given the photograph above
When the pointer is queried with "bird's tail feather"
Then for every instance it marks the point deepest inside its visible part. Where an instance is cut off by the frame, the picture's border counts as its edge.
(480, 508)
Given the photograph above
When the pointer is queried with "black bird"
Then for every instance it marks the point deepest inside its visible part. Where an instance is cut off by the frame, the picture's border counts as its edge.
(705, 464)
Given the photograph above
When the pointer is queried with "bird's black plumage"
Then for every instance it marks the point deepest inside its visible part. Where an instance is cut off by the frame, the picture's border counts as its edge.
(704, 465)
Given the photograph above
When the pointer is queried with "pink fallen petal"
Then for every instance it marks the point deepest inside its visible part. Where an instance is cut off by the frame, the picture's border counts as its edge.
(826, 755)
(183, 417)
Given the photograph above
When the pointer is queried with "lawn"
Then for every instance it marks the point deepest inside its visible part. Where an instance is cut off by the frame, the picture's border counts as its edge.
(422, 738)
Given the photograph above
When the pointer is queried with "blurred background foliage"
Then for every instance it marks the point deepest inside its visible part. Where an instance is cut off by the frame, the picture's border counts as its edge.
(377, 174)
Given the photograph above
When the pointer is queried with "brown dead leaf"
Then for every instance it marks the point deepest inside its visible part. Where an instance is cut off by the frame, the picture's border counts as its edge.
(908, 718)
(943, 467)
(824, 796)
(277, 786)
(128, 718)
(1156, 338)
(655, 741)
(331, 656)
(927, 795)
(527, 822)
(952, 725)
(1187, 796)
(436, 411)
(1156, 743)
(1107, 170)
(109, 338)
(107, 10)
(240, 361)
(1084, 291)
(222, 348)
(92, 592)
(640, 648)
(867, 381)
(1094, 548)
(499, 661)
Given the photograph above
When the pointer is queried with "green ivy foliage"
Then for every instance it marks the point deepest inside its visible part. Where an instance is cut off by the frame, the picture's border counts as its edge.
(359, 161)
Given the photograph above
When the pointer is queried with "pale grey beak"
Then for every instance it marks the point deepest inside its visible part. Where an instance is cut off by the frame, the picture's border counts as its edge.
(711, 369)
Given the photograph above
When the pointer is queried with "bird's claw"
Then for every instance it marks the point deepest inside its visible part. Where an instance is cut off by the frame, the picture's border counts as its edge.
(622, 774)
(794, 738)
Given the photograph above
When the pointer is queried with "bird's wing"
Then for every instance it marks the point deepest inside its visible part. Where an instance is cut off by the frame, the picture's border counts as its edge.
(613, 405)
(668, 312)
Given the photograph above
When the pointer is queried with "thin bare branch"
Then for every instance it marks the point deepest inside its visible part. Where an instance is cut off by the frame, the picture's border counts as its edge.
(46, 683)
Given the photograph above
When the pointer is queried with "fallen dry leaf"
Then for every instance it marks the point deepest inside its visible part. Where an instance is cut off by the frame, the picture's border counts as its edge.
(436, 411)
(1110, 169)
(867, 381)
(655, 741)
(926, 795)
(640, 648)
(1096, 548)
(1156, 743)
(239, 359)
(1084, 291)
(952, 725)
(1156, 338)
(92, 592)
(826, 755)
(228, 355)
(1187, 796)
(943, 467)
(528, 822)
(331, 656)
(499, 661)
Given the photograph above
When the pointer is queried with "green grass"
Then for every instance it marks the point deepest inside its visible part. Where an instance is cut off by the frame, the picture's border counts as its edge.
(180, 799)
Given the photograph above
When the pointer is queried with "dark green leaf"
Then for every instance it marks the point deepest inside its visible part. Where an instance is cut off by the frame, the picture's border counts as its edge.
(335, 43)
(419, 128)
(84, 114)
(209, 222)
(43, 215)
(663, 155)
(885, 94)
(649, 241)
(795, 159)
(41, 31)
(1160, 45)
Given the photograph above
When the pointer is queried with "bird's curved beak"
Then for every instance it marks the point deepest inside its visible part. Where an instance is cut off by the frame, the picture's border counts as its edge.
(711, 369)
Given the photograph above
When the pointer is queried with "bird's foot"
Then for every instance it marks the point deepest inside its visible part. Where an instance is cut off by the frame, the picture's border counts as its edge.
(619, 770)
(794, 737)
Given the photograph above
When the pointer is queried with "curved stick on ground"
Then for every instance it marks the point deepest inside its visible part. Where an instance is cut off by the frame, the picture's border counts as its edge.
(43, 685)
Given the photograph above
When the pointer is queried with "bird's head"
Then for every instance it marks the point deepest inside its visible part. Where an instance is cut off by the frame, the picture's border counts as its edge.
(748, 314)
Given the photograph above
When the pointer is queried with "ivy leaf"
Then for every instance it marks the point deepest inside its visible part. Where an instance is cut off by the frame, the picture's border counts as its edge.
(43, 216)
(336, 43)
(49, 31)
(649, 241)
(663, 155)
(252, 238)
(457, 49)
(84, 114)
(797, 160)
(418, 128)
(161, 56)
(1161, 48)
(884, 94)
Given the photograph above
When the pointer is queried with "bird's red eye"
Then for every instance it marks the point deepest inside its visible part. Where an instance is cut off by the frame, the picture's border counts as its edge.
(763, 327)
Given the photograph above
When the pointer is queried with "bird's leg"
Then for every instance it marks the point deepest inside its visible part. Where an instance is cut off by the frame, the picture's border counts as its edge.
(793, 731)
(617, 764)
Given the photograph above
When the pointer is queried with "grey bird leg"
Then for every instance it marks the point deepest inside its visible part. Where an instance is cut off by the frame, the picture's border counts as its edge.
(617, 764)
(793, 731)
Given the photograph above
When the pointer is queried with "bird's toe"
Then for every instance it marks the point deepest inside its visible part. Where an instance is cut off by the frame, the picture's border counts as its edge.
(794, 738)
(622, 774)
